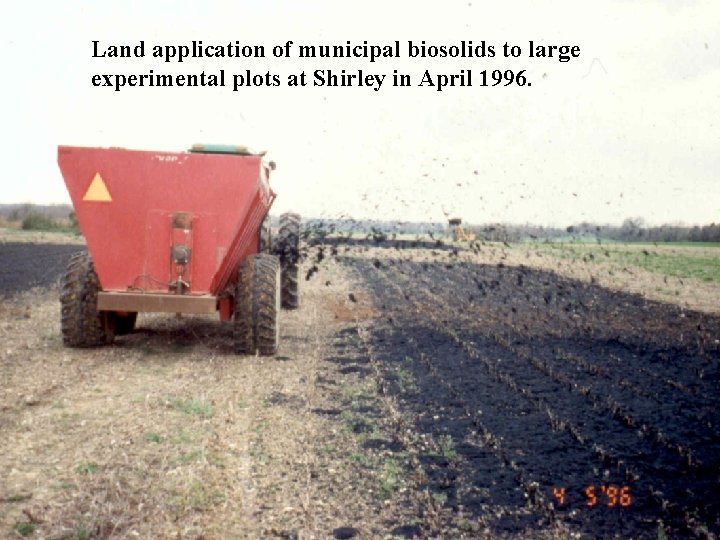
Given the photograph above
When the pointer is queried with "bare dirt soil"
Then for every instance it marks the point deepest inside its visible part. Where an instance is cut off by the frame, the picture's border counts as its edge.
(415, 394)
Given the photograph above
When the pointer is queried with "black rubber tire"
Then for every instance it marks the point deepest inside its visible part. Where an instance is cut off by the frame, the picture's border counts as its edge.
(265, 240)
(287, 248)
(257, 305)
(125, 324)
(81, 323)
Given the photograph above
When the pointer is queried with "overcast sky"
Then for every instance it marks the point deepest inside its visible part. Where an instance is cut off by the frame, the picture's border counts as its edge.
(630, 128)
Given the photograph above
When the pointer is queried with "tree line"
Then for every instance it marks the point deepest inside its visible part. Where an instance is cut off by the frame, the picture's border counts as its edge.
(631, 230)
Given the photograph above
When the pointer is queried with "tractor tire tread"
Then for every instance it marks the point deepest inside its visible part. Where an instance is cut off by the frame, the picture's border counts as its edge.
(256, 306)
(242, 324)
(82, 325)
(287, 248)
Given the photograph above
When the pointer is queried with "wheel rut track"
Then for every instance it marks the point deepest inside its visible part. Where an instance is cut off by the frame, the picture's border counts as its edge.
(404, 293)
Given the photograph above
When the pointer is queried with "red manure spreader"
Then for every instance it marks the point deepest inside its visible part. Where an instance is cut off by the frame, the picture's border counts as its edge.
(176, 232)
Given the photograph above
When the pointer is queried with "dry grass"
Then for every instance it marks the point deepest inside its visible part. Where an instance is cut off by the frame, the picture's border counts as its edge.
(10, 232)
(169, 434)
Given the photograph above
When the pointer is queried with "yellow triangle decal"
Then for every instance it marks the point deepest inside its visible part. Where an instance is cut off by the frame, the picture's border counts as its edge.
(97, 191)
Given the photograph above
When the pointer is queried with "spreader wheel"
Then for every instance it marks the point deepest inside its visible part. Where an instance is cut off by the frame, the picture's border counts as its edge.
(81, 323)
(287, 248)
(257, 305)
